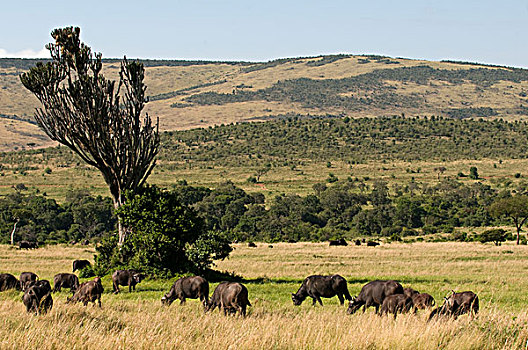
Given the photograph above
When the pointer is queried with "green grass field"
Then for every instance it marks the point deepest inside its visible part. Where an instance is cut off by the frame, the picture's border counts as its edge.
(137, 320)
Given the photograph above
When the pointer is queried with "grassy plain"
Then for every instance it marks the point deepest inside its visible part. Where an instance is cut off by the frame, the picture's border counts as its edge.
(138, 320)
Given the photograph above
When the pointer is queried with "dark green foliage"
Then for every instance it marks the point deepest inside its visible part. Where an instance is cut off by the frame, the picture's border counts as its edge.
(496, 236)
(42, 219)
(473, 173)
(164, 237)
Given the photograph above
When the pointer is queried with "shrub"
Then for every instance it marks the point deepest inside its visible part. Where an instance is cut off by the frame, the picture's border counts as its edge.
(496, 236)
(165, 237)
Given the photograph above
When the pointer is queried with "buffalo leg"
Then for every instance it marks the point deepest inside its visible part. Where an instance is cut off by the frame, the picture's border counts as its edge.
(341, 299)
(319, 300)
(313, 301)
(182, 300)
(116, 287)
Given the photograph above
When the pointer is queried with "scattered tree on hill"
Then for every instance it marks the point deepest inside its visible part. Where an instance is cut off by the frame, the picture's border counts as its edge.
(95, 117)
(496, 236)
(515, 208)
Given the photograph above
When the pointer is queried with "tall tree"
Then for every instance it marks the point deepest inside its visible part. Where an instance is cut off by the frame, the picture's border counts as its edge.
(516, 208)
(101, 121)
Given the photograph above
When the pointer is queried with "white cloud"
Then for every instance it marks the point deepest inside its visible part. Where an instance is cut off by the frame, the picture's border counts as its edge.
(27, 53)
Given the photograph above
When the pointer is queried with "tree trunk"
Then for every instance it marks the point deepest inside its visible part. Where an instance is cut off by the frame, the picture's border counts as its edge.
(518, 234)
(13, 232)
(121, 231)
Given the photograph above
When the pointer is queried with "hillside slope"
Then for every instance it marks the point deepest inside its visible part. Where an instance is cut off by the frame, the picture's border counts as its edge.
(187, 94)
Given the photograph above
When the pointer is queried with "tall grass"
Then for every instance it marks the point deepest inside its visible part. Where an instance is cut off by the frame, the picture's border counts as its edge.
(138, 320)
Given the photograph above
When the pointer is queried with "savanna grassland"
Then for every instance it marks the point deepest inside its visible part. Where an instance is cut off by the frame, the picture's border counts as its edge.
(138, 320)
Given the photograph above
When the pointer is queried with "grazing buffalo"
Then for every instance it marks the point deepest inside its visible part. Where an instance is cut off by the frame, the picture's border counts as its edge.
(8, 281)
(270, 246)
(192, 287)
(65, 280)
(80, 264)
(337, 242)
(409, 292)
(126, 278)
(317, 286)
(87, 292)
(37, 298)
(372, 243)
(230, 297)
(357, 242)
(422, 301)
(373, 294)
(27, 245)
(26, 279)
(252, 245)
(457, 304)
(292, 241)
(396, 303)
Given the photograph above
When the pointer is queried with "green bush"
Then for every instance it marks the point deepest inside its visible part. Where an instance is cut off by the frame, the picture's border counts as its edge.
(496, 236)
(165, 237)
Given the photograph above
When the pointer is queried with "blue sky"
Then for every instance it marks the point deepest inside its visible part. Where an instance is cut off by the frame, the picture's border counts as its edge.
(483, 31)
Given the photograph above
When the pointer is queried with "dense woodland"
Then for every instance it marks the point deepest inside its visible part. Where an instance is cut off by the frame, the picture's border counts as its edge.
(337, 208)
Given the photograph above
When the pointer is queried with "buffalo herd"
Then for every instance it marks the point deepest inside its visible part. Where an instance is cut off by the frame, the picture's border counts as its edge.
(386, 296)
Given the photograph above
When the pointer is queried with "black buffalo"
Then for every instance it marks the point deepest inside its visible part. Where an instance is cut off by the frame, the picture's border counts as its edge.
(27, 245)
(423, 301)
(252, 245)
(26, 279)
(373, 294)
(317, 286)
(8, 281)
(126, 278)
(88, 292)
(229, 297)
(357, 242)
(192, 287)
(80, 264)
(457, 304)
(372, 244)
(65, 280)
(337, 242)
(396, 303)
(37, 298)
(409, 292)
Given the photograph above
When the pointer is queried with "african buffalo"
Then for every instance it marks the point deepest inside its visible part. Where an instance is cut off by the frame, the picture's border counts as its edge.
(8, 281)
(357, 242)
(373, 294)
(125, 278)
(422, 301)
(409, 292)
(252, 245)
(80, 264)
(88, 292)
(26, 279)
(27, 245)
(372, 244)
(338, 242)
(65, 280)
(192, 287)
(396, 303)
(457, 304)
(37, 298)
(317, 286)
(231, 297)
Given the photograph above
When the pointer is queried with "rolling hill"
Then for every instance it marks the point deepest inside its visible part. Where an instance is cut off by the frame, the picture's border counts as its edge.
(191, 94)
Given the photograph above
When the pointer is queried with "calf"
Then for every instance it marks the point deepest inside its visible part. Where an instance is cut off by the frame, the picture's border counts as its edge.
(317, 286)
(338, 242)
(192, 287)
(409, 292)
(88, 292)
(373, 294)
(230, 297)
(80, 264)
(37, 298)
(26, 279)
(422, 301)
(65, 280)
(396, 303)
(8, 281)
(457, 304)
(125, 278)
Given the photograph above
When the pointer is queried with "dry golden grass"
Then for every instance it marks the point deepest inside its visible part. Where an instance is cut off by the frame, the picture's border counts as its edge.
(137, 320)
